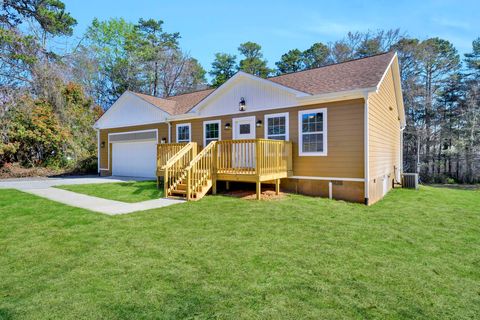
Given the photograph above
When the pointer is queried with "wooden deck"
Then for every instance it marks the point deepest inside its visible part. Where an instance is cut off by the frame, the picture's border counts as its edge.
(253, 160)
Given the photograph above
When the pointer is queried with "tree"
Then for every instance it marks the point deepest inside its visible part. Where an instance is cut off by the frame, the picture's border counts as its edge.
(179, 73)
(18, 52)
(35, 136)
(223, 68)
(472, 59)
(315, 56)
(153, 43)
(49, 14)
(290, 62)
(253, 62)
(112, 43)
(438, 59)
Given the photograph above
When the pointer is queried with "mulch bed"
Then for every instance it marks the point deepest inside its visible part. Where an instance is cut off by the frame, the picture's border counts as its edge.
(251, 195)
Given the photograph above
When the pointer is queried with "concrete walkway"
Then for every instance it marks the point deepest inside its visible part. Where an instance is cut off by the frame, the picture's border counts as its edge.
(42, 187)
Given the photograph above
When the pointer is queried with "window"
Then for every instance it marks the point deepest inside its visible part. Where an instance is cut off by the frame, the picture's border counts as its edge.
(312, 132)
(276, 126)
(245, 128)
(183, 132)
(211, 131)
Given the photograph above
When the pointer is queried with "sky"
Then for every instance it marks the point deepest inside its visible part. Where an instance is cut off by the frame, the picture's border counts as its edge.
(207, 27)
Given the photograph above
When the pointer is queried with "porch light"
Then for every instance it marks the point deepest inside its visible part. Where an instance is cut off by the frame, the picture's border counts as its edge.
(242, 104)
(103, 144)
(259, 123)
(164, 140)
(227, 126)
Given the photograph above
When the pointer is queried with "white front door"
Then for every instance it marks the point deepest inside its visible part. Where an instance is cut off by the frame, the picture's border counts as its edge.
(244, 128)
(244, 154)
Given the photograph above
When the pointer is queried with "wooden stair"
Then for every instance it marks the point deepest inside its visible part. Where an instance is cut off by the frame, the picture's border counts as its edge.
(193, 181)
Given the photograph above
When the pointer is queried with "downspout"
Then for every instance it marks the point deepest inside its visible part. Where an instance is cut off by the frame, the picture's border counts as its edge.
(98, 150)
(402, 130)
(169, 132)
(366, 149)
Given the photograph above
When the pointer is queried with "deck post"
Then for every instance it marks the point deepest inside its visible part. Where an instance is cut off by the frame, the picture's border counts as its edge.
(227, 185)
(165, 183)
(259, 189)
(214, 169)
(188, 185)
(277, 186)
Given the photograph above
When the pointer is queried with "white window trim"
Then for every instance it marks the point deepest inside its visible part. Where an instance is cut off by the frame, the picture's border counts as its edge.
(189, 125)
(205, 130)
(300, 133)
(276, 115)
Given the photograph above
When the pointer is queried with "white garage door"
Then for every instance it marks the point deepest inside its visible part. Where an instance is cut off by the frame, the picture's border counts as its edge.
(134, 159)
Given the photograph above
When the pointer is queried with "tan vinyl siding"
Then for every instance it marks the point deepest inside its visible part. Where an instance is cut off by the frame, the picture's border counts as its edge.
(384, 138)
(105, 163)
(345, 157)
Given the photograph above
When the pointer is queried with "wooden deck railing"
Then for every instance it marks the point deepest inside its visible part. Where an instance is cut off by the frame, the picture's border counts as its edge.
(254, 156)
(273, 156)
(236, 156)
(174, 169)
(200, 172)
(165, 151)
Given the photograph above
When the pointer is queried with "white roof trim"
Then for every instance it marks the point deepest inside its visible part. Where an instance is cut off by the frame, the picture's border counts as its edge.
(238, 75)
(97, 124)
(336, 96)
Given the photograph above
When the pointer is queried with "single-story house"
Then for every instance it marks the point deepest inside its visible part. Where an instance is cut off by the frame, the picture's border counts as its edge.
(333, 131)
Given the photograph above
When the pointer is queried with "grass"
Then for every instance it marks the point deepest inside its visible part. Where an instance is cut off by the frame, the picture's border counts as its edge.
(413, 255)
(134, 191)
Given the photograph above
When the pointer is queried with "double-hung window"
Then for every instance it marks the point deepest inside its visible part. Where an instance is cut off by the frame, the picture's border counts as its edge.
(276, 126)
(184, 132)
(211, 131)
(312, 132)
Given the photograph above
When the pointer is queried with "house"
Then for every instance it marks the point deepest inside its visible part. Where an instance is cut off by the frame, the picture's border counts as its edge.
(334, 131)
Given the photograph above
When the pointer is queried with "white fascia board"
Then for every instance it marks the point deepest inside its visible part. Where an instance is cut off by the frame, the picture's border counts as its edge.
(336, 96)
(183, 116)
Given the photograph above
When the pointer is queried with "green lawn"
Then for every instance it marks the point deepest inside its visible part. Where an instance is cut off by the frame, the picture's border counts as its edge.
(413, 255)
(134, 191)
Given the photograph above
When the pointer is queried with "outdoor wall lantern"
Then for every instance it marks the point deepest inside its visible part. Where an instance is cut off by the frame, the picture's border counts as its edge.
(259, 123)
(164, 140)
(103, 144)
(227, 126)
(242, 104)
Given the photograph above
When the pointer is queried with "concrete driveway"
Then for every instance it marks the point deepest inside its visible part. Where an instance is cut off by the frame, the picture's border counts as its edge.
(43, 187)
(45, 182)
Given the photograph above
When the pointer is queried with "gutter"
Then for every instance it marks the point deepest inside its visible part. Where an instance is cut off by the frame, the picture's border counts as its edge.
(366, 149)
(336, 96)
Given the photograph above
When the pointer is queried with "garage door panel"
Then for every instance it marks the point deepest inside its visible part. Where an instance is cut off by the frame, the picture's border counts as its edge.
(134, 159)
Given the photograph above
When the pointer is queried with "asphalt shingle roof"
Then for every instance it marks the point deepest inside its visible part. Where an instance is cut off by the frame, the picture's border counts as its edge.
(345, 76)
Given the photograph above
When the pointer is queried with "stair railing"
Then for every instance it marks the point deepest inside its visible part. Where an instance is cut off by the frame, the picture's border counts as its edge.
(200, 172)
(174, 169)
(165, 151)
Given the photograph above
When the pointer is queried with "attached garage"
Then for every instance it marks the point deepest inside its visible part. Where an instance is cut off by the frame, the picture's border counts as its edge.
(134, 154)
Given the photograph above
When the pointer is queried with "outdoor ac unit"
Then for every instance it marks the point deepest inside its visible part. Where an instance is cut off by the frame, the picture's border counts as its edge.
(410, 180)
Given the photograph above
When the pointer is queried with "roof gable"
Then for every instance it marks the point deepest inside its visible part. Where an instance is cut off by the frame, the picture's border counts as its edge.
(130, 110)
(258, 93)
